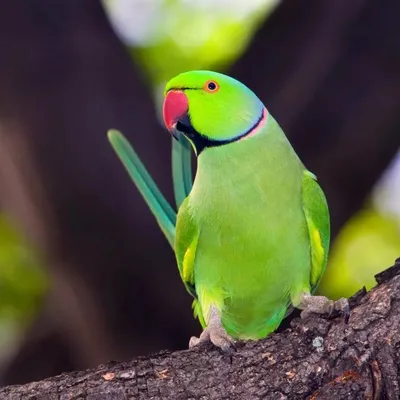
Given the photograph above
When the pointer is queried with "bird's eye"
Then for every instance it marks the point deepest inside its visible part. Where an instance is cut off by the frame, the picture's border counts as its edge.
(211, 86)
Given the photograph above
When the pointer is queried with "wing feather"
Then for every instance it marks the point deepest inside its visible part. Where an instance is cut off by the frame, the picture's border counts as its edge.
(187, 235)
(317, 216)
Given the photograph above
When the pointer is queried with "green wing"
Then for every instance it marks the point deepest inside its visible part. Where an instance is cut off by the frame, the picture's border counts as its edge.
(187, 236)
(317, 216)
(159, 206)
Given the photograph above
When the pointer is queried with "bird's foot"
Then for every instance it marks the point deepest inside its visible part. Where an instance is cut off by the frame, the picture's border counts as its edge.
(214, 333)
(322, 305)
(217, 336)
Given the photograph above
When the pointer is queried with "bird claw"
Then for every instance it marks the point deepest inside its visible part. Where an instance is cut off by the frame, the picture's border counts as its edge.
(322, 305)
(215, 333)
(217, 336)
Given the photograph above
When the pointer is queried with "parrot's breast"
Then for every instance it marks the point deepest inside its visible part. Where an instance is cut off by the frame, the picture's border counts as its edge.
(253, 249)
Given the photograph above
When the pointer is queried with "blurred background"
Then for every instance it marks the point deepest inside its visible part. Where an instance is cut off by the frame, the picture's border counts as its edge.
(86, 275)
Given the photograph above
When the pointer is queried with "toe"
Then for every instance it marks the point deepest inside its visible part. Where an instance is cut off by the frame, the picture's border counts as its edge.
(330, 308)
(194, 341)
(228, 348)
(226, 344)
(222, 340)
(305, 314)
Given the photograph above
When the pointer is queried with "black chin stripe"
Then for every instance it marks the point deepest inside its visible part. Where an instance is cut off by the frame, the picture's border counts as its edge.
(201, 142)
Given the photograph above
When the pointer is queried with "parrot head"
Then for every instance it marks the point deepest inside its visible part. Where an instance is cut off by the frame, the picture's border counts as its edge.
(211, 109)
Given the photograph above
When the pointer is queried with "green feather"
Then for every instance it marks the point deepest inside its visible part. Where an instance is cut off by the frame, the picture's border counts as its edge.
(159, 206)
(317, 216)
(181, 169)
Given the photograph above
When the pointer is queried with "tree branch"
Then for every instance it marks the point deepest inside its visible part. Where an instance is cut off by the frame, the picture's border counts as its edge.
(315, 359)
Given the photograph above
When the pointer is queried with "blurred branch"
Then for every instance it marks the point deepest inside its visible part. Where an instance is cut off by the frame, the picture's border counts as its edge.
(320, 358)
(329, 73)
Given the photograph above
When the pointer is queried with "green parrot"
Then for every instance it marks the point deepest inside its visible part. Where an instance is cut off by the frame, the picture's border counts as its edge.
(251, 236)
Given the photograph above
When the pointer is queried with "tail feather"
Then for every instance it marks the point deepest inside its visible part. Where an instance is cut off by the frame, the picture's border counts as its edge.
(181, 169)
(159, 206)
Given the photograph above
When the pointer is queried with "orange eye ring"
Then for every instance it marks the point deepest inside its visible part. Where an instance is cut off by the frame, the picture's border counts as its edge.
(211, 87)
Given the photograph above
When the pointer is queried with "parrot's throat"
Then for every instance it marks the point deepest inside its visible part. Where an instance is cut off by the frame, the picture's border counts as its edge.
(201, 142)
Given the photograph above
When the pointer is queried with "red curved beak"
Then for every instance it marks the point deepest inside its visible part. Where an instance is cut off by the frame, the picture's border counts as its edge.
(175, 107)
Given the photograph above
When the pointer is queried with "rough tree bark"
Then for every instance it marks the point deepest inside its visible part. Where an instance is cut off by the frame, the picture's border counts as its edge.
(315, 359)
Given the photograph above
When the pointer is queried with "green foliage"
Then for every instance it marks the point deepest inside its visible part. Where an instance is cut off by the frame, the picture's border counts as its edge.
(22, 280)
(169, 57)
(187, 35)
(366, 245)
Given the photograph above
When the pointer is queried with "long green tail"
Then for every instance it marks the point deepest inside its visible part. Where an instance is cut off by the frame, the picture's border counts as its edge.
(182, 178)
(181, 169)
